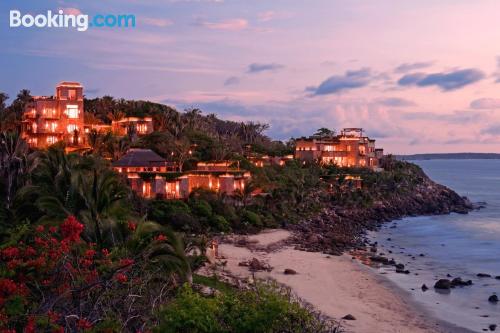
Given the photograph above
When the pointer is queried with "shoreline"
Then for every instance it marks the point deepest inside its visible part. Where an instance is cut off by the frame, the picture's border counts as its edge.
(334, 285)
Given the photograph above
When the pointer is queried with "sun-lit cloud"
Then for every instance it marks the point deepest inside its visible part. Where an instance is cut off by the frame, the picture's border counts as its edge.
(155, 22)
(234, 24)
(71, 11)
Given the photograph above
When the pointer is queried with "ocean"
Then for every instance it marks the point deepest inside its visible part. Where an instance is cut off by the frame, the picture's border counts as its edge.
(458, 245)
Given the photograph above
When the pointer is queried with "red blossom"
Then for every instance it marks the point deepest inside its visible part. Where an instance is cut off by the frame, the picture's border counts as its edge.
(126, 262)
(10, 252)
(120, 277)
(71, 229)
(90, 253)
(30, 326)
(53, 316)
(7, 287)
(84, 324)
(53, 230)
(132, 226)
(161, 238)
(40, 228)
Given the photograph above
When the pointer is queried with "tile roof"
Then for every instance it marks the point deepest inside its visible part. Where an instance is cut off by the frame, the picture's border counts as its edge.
(136, 157)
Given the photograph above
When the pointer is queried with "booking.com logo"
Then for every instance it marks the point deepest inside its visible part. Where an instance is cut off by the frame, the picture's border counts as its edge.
(80, 22)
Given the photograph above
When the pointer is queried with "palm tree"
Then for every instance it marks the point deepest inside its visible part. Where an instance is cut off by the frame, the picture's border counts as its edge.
(103, 196)
(169, 251)
(13, 162)
(80, 186)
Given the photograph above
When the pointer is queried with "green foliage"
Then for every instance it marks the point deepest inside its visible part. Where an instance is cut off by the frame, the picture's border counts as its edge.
(266, 309)
(162, 211)
(201, 208)
(218, 222)
(251, 218)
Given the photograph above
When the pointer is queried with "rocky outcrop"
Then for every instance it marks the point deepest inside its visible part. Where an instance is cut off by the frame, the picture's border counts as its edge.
(341, 226)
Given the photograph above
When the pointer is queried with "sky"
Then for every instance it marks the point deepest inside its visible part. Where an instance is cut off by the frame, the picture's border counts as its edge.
(419, 76)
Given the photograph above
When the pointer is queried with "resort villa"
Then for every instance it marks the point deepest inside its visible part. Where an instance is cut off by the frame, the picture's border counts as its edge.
(47, 120)
(60, 118)
(151, 176)
(349, 149)
(133, 126)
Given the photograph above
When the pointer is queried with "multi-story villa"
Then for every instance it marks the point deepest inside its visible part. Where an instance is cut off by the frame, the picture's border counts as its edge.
(150, 176)
(48, 120)
(349, 149)
(132, 126)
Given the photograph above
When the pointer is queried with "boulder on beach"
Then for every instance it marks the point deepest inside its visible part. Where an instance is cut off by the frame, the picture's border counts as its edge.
(492, 327)
(349, 317)
(493, 299)
(289, 271)
(459, 282)
(443, 284)
(483, 275)
(424, 287)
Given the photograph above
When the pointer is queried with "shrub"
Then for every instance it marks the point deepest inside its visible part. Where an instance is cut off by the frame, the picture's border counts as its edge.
(161, 211)
(267, 309)
(251, 218)
(201, 208)
(219, 223)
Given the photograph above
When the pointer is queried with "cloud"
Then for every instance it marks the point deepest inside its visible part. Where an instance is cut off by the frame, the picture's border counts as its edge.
(232, 81)
(485, 103)
(446, 81)
(258, 67)
(272, 15)
(71, 11)
(156, 22)
(395, 102)
(493, 129)
(337, 83)
(456, 117)
(266, 16)
(235, 24)
(406, 67)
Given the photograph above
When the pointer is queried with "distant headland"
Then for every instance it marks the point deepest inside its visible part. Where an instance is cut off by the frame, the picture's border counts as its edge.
(449, 156)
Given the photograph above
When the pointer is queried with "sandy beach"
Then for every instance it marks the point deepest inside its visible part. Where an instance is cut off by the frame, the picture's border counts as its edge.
(334, 285)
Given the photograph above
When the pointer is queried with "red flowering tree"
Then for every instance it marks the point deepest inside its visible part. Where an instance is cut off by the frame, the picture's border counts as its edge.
(54, 281)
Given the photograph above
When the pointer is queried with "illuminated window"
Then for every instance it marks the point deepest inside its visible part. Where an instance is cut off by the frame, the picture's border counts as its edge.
(51, 139)
(72, 128)
(72, 111)
(71, 94)
(142, 128)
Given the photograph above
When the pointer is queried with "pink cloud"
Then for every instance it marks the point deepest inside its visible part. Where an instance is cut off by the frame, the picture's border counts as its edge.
(156, 22)
(266, 16)
(229, 24)
(71, 11)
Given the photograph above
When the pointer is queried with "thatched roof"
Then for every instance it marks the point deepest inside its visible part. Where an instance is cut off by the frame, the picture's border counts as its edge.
(136, 157)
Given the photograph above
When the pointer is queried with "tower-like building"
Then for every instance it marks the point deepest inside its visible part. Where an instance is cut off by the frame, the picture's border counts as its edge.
(48, 120)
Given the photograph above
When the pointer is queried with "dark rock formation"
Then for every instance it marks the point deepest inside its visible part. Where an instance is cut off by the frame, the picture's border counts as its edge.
(341, 226)
(349, 317)
(289, 271)
(483, 275)
(493, 299)
(443, 284)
